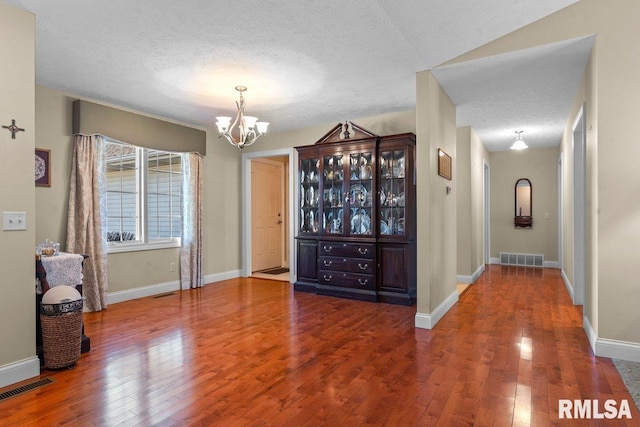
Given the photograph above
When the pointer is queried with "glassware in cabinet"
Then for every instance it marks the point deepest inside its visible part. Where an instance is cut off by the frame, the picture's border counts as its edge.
(309, 195)
(361, 193)
(333, 194)
(392, 193)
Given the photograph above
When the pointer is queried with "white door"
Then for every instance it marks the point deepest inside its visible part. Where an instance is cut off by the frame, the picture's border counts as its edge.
(266, 213)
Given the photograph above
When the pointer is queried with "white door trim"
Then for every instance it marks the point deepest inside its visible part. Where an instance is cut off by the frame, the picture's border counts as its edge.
(246, 207)
(560, 212)
(486, 212)
(579, 207)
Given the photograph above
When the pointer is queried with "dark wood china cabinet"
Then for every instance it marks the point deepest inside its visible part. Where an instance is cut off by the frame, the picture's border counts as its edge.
(356, 227)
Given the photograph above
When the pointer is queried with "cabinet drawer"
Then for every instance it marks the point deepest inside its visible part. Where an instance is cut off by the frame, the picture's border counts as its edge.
(348, 280)
(353, 265)
(347, 250)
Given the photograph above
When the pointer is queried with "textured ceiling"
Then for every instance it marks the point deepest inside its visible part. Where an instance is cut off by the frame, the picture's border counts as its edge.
(305, 62)
(531, 90)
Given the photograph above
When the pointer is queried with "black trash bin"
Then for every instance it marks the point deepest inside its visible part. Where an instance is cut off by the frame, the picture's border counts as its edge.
(61, 322)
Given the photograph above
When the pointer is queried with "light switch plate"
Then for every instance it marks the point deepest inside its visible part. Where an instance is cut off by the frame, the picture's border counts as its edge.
(12, 221)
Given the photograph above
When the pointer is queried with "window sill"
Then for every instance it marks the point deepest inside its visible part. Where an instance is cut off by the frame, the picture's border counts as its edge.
(135, 247)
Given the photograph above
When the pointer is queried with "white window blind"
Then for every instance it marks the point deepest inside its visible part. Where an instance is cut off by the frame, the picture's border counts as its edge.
(143, 198)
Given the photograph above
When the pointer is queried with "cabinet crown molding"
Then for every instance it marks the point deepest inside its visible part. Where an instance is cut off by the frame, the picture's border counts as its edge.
(347, 131)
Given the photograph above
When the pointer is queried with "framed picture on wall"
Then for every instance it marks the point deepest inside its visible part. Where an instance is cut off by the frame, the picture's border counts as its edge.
(43, 167)
(444, 164)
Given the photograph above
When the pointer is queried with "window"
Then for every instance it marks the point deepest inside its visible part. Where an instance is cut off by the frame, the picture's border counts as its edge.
(143, 197)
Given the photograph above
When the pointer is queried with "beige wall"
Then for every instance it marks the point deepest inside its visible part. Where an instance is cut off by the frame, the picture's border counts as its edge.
(479, 156)
(436, 210)
(613, 218)
(463, 201)
(539, 166)
(17, 193)
(222, 199)
(471, 154)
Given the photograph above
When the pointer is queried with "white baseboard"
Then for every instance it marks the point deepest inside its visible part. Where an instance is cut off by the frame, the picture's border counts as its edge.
(219, 277)
(617, 349)
(19, 371)
(428, 321)
(471, 279)
(591, 333)
(568, 285)
(142, 292)
(612, 349)
(163, 288)
(464, 279)
(494, 260)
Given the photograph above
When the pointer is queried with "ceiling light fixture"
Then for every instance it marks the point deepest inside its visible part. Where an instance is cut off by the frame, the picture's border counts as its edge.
(519, 143)
(249, 128)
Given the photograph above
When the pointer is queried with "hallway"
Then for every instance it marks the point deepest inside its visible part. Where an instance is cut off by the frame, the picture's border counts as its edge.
(253, 352)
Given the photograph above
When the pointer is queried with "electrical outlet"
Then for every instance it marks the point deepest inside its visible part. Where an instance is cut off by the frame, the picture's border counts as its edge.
(172, 266)
(12, 221)
(546, 215)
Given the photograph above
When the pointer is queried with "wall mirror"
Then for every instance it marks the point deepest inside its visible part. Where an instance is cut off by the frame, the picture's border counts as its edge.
(523, 203)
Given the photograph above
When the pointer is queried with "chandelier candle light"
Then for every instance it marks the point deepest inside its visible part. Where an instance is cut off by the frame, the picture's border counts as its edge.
(519, 143)
(249, 128)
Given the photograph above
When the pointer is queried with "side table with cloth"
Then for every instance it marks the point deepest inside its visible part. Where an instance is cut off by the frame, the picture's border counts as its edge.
(62, 269)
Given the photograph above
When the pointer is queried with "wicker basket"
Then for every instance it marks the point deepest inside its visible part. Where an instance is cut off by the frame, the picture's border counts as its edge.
(61, 333)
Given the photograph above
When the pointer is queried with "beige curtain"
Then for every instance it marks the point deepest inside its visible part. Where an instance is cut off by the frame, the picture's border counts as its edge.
(191, 275)
(87, 215)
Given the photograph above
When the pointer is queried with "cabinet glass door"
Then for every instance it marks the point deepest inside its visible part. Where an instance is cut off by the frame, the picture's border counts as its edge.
(360, 195)
(392, 193)
(332, 194)
(309, 195)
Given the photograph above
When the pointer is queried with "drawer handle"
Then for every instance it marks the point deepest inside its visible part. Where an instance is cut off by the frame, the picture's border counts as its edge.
(327, 278)
(327, 248)
(363, 266)
(363, 282)
(327, 263)
(363, 251)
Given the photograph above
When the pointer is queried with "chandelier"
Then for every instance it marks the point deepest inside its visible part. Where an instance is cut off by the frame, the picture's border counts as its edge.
(519, 143)
(249, 128)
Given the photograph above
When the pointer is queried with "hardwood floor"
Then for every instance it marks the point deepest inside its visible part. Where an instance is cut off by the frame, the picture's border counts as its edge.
(252, 352)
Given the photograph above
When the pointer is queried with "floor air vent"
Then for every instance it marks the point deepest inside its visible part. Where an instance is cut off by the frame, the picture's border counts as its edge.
(25, 388)
(164, 295)
(524, 260)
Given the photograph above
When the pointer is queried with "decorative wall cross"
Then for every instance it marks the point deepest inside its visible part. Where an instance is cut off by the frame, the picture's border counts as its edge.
(13, 129)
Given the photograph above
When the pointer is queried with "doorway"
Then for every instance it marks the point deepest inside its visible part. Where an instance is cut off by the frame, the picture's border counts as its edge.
(253, 211)
(267, 214)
